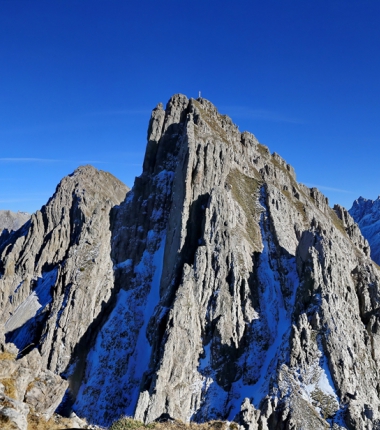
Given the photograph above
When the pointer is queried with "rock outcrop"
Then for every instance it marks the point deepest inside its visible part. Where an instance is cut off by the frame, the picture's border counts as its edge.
(366, 213)
(220, 288)
(25, 386)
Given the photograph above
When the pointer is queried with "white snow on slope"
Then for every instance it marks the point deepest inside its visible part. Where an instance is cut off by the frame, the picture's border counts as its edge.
(139, 362)
(214, 398)
(323, 382)
(120, 357)
(21, 322)
(272, 323)
(124, 264)
(276, 320)
(314, 383)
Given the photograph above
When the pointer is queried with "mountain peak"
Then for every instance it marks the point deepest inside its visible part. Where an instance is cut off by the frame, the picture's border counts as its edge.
(220, 288)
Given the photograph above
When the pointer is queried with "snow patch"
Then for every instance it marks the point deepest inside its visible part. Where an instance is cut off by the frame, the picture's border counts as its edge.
(20, 328)
(324, 383)
(213, 397)
(121, 355)
(127, 264)
(274, 320)
(37, 300)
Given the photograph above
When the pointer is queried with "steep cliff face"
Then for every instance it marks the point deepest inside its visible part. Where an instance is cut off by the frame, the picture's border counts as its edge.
(366, 213)
(219, 288)
(242, 294)
(56, 271)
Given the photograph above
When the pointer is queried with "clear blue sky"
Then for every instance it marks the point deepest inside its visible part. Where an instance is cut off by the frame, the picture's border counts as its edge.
(78, 79)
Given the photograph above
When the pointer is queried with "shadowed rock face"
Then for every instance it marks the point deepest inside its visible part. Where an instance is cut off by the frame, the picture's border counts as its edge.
(221, 288)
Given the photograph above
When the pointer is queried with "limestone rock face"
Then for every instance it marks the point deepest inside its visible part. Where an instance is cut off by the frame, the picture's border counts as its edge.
(241, 294)
(219, 288)
(56, 273)
(366, 213)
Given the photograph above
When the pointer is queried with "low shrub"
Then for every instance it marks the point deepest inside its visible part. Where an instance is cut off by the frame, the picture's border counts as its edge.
(128, 423)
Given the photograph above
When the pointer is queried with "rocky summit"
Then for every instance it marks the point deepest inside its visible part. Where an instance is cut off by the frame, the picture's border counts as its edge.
(218, 288)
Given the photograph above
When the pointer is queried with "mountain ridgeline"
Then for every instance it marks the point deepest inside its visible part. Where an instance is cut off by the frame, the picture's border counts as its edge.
(216, 288)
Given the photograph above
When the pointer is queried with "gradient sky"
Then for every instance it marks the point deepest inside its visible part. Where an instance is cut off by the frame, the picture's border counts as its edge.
(78, 79)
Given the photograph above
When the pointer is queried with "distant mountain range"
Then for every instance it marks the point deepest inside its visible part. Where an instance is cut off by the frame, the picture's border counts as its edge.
(12, 220)
(366, 213)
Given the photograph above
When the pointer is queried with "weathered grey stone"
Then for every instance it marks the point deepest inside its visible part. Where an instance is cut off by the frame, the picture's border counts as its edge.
(255, 277)
(45, 393)
(57, 272)
(14, 411)
(249, 416)
(7, 367)
(229, 290)
(29, 370)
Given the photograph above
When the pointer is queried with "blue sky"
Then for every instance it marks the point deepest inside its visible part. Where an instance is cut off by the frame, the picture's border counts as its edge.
(80, 77)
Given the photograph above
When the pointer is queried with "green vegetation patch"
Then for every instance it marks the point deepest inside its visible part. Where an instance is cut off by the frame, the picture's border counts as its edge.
(246, 191)
(337, 222)
(324, 401)
(129, 423)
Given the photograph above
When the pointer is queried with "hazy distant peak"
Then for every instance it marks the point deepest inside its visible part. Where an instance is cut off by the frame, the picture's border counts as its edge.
(12, 220)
